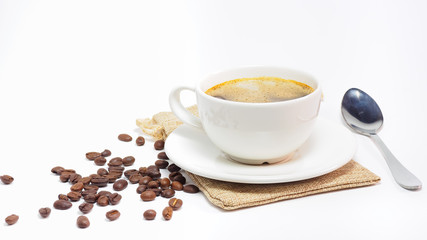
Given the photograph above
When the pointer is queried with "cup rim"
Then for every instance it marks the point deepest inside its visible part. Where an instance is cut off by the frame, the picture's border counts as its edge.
(248, 104)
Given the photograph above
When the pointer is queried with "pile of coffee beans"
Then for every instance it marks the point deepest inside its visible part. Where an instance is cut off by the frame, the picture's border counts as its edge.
(149, 181)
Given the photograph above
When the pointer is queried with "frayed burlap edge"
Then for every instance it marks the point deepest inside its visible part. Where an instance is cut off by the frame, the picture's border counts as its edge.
(162, 124)
(230, 196)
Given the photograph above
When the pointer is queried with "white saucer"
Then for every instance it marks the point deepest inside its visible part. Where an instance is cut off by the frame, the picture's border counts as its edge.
(329, 147)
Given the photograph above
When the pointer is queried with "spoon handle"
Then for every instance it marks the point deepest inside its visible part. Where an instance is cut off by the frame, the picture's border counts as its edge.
(402, 175)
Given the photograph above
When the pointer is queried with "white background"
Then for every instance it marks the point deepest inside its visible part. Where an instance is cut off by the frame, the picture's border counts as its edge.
(75, 74)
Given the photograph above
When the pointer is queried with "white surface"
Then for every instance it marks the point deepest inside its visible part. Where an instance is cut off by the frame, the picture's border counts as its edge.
(329, 147)
(75, 74)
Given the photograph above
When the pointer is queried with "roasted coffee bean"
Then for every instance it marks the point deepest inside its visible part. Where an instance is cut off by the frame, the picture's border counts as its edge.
(159, 145)
(173, 175)
(94, 175)
(175, 203)
(128, 161)
(92, 155)
(157, 191)
(145, 180)
(135, 178)
(116, 169)
(87, 192)
(130, 172)
(100, 161)
(74, 178)
(57, 170)
(111, 177)
(65, 176)
(114, 198)
(148, 195)
(74, 196)
(125, 137)
(155, 175)
(190, 188)
(90, 198)
(77, 187)
(162, 155)
(119, 185)
(153, 172)
(180, 178)
(44, 212)
(102, 201)
(142, 171)
(162, 164)
(165, 183)
(62, 204)
(12, 219)
(140, 141)
(177, 186)
(6, 179)
(150, 214)
(85, 180)
(117, 162)
(99, 181)
(114, 174)
(168, 193)
(112, 215)
(102, 172)
(88, 187)
(153, 184)
(141, 188)
(85, 207)
(83, 222)
(167, 213)
(63, 197)
(104, 193)
(177, 176)
(174, 168)
(106, 153)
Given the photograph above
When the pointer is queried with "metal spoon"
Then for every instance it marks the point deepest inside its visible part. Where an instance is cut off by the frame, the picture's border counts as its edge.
(363, 115)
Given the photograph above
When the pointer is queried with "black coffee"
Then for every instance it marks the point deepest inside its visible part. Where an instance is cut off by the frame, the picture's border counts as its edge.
(260, 90)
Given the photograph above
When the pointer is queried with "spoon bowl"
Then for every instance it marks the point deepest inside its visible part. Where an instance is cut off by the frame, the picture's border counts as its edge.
(361, 112)
(364, 116)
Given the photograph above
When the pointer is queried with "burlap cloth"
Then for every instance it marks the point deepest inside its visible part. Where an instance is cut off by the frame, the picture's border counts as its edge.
(229, 196)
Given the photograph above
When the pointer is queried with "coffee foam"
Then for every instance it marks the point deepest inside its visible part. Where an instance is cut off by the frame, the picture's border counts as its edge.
(260, 90)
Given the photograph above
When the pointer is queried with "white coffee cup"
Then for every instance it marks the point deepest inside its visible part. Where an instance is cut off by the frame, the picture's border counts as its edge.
(252, 133)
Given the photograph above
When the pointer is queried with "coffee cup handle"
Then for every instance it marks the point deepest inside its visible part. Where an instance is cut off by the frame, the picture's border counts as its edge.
(179, 110)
